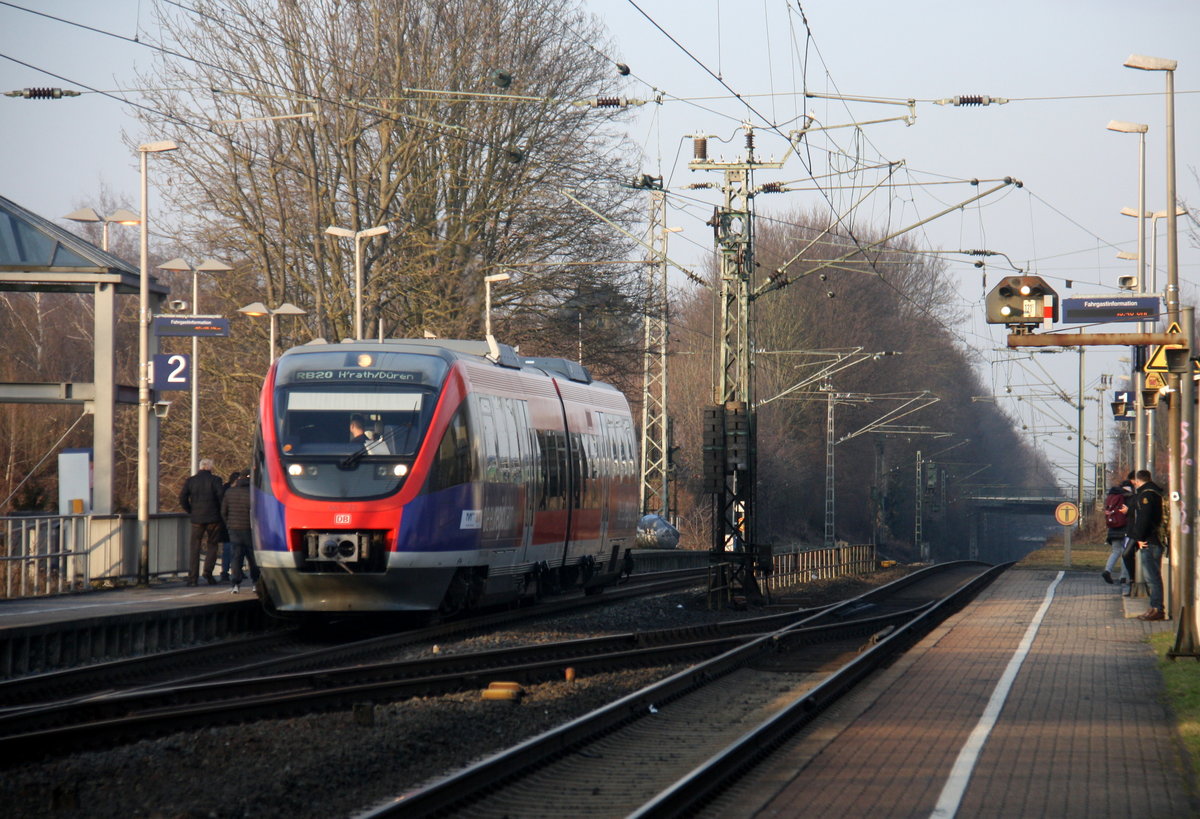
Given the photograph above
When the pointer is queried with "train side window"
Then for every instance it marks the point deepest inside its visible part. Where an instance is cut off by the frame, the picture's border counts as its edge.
(553, 464)
(453, 464)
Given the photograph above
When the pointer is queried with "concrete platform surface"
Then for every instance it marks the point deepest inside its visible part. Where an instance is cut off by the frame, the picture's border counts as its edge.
(1040, 699)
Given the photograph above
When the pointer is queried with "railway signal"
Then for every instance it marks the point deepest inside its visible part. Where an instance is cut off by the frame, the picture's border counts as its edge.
(1021, 300)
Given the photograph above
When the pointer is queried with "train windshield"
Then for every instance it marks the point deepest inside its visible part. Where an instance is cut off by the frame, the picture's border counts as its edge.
(350, 443)
(349, 423)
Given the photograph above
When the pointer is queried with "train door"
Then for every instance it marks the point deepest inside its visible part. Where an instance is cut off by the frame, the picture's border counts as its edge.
(604, 464)
(528, 476)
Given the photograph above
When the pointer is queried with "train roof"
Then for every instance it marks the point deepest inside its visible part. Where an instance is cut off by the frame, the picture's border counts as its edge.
(501, 356)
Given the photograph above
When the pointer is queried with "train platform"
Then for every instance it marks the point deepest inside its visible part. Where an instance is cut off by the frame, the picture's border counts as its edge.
(40, 634)
(1040, 698)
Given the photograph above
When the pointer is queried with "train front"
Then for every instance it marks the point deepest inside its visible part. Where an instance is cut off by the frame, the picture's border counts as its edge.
(336, 460)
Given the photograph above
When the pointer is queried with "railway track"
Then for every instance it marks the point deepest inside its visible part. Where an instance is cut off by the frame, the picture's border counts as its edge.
(314, 679)
(293, 649)
(671, 747)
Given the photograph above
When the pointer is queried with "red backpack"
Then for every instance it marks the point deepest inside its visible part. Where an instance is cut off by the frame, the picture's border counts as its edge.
(1114, 515)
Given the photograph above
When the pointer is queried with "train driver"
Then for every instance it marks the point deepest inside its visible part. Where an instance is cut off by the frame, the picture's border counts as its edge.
(358, 433)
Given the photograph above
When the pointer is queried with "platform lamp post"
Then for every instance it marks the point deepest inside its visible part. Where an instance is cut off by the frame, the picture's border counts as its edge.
(257, 309)
(206, 266)
(1140, 449)
(144, 368)
(358, 237)
(120, 216)
(1148, 454)
(488, 281)
(1180, 413)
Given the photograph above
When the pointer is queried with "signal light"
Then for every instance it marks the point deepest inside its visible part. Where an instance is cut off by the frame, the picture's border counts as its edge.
(1022, 300)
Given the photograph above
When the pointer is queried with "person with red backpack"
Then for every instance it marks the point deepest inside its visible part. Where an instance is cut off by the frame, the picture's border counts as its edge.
(1116, 518)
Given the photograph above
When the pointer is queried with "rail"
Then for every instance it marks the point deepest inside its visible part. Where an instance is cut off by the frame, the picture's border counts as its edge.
(56, 554)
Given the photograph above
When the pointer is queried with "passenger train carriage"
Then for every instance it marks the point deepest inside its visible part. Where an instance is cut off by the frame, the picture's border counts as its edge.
(478, 477)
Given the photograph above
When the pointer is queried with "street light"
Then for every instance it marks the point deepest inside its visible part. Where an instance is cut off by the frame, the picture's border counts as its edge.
(1181, 485)
(1141, 449)
(120, 216)
(1153, 217)
(206, 266)
(1145, 63)
(487, 300)
(144, 370)
(257, 308)
(358, 236)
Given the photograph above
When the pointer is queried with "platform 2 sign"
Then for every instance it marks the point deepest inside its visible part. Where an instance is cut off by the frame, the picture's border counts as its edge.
(191, 326)
(171, 372)
(1109, 308)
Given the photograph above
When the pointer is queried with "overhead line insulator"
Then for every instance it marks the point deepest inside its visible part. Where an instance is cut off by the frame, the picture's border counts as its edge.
(42, 93)
(970, 100)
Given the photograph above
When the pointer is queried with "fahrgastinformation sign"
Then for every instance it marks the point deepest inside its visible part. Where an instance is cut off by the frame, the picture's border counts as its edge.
(1109, 308)
(191, 326)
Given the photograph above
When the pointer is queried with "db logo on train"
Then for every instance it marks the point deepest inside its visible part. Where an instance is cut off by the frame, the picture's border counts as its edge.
(1066, 513)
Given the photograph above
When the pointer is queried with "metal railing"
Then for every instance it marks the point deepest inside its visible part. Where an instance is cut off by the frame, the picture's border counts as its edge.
(790, 568)
(821, 564)
(56, 554)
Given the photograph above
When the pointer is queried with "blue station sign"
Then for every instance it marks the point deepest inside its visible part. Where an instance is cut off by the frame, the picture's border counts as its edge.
(191, 326)
(1109, 308)
(171, 371)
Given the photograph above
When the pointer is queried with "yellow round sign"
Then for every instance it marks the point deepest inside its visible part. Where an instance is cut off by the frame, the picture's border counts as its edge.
(1066, 513)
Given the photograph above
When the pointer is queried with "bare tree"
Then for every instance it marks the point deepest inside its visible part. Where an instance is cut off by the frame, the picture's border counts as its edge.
(453, 123)
(888, 300)
(388, 112)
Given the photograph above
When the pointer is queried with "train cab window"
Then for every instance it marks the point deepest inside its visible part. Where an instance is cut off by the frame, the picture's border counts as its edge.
(339, 443)
(326, 422)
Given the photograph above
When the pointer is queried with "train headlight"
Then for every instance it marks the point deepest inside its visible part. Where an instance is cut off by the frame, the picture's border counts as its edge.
(295, 470)
(385, 472)
(399, 470)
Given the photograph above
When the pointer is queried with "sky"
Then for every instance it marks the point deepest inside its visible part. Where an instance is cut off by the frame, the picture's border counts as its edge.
(1059, 64)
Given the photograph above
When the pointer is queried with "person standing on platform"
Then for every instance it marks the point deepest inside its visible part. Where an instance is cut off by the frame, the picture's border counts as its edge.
(1116, 512)
(223, 535)
(1129, 555)
(201, 499)
(235, 509)
(1147, 516)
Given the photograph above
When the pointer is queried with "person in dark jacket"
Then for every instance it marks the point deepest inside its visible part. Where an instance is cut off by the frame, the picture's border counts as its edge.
(1147, 515)
(1116, 517)
(235, 509)
(223, 535)
(1129, 555)
(201, 499)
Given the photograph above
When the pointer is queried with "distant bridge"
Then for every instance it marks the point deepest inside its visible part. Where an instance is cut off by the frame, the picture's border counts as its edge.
(987, 504)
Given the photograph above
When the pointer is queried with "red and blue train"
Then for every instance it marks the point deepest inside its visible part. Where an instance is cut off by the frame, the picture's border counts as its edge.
(414, 475)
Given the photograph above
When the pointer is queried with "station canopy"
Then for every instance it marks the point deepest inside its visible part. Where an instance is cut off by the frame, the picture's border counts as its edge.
(38, 255)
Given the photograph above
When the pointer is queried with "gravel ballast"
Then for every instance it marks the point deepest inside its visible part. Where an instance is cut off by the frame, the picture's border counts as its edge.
(337, 764)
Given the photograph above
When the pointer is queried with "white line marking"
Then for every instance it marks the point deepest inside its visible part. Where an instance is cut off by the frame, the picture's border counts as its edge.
(960, 775)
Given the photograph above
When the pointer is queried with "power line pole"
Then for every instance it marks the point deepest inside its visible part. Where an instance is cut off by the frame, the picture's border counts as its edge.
(831, 402)
(919, 523)
(734, 522)
(655, 437)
